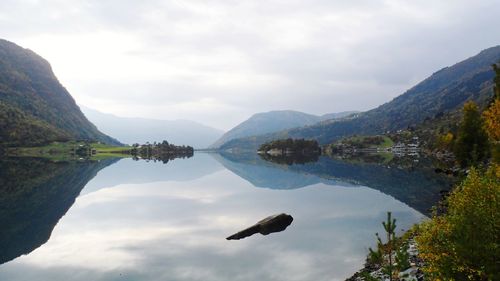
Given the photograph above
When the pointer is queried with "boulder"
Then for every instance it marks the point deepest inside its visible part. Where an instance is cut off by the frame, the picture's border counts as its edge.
(275, 223)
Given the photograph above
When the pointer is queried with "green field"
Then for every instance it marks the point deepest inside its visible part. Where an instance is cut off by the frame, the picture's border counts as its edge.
(62, 151)
(367, 142)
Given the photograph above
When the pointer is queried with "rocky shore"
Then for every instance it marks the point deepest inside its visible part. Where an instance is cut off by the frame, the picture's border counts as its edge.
(374, 272)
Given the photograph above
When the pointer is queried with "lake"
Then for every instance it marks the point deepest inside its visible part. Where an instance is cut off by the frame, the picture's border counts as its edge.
(120, 219)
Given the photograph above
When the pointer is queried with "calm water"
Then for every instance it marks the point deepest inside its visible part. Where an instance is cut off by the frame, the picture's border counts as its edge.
(137, 220)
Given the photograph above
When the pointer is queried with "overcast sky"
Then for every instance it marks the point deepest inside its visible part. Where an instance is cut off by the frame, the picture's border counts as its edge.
(218, 62)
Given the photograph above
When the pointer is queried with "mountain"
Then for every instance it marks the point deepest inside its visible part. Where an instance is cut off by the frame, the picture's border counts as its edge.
(34, 107)
(273, 121)
(141, 130)
(443, 93)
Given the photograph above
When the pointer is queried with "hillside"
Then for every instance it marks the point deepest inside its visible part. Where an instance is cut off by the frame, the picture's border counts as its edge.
(273, 121)
(34, 107)
(443, 93)
(141, 130)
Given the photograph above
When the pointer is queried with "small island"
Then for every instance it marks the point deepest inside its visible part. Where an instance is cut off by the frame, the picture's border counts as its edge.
(290, 146)
(290, 151)
(162, 151)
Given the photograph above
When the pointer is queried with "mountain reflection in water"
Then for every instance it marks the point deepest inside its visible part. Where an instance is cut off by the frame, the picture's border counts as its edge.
(418, 187)
(34, 195)
(138, 220)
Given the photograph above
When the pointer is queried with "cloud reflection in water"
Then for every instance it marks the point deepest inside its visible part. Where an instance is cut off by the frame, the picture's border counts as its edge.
(175, 230)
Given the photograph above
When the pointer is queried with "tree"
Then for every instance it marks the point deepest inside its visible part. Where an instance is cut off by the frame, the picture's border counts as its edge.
(402, 257)
(464, 243)
(445, 141)
(492, 120)
(377, 256)
(390, 227)
(492, 116)
(496, 81)
(384, 254)
(472, 146)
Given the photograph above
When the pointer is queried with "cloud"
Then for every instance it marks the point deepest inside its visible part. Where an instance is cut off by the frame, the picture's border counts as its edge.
(220, 61)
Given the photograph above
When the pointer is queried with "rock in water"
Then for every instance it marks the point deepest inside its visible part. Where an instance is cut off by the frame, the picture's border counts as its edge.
(275, 223)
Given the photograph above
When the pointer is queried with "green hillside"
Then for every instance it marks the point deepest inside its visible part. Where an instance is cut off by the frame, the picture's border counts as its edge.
(273, 121)
(442, 94)
(34, 107)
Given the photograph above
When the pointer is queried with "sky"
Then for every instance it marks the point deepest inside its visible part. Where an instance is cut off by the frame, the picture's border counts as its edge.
(218, 62)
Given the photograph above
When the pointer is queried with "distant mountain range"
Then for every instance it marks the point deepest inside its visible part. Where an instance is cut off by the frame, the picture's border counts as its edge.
(443, 93)
(142, 130)
(268, 122)
(34, 107)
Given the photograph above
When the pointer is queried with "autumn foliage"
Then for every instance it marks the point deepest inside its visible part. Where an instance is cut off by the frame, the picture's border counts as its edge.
(491, 117)
(464, 244)
(492, 121)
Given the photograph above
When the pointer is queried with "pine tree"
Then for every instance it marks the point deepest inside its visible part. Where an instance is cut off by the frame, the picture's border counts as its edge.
(472, 146)
(390, 227)
(402, 257)
(383, 256)
(377, 256)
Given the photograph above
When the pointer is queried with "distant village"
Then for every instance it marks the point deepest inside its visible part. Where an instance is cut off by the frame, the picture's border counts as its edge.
(376, 144)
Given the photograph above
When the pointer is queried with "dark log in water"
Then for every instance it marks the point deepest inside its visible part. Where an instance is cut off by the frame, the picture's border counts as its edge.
(275, 223)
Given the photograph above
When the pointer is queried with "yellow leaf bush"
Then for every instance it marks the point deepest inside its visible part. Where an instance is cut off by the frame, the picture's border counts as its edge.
(464, 244)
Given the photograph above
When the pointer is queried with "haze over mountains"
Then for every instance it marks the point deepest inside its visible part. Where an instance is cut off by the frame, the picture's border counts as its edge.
(442, 94)
(34, 107)
(267, 122)
(141, 130)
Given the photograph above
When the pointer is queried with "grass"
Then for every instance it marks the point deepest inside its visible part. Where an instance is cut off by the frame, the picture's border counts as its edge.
(371, 149)
(386, 141)
(63, 151)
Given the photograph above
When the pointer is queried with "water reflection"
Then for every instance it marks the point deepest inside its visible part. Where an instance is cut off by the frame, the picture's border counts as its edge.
(290, 159)
(137, 172)
(170, 226)
(261, 173)
(34, 195)
(417, 185)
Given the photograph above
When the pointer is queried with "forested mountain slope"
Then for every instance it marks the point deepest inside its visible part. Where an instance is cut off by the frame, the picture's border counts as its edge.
(34, 107)
(444, 92)
(274, 121)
